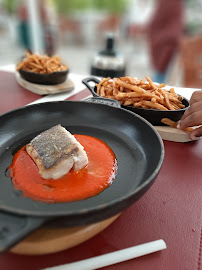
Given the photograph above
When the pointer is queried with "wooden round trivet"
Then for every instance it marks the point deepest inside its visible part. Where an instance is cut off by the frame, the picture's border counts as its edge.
(173, 134)
(50, 240)
(40, 89)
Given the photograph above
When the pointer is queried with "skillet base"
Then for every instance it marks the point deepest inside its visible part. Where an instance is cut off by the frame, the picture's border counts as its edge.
(49, 239)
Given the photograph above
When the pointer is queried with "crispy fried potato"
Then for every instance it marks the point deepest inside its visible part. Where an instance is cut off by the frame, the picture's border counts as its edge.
(169, 122)
(138, 93)
(173, 124)
(41, 64)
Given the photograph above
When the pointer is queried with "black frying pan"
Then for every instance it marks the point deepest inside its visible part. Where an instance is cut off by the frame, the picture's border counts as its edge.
(45, 79)
(138, 148)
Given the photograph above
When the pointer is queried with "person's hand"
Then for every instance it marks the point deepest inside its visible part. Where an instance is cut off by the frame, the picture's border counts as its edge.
(193, 116)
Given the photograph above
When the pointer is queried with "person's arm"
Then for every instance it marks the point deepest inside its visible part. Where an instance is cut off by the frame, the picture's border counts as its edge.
(193, 116)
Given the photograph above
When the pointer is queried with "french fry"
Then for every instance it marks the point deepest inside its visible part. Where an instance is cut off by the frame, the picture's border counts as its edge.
(138, 93)
(169, 122)
(173, 124)
(166, 99)
(151, 83)
(102, 91)
(151, 104)
(128, 102)
(162, 85)
(41, 64)
(130, 86)
(189, 129)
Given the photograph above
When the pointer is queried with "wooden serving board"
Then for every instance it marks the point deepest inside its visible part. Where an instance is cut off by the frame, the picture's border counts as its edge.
(40, 89)
(173, 134)
(48, 240)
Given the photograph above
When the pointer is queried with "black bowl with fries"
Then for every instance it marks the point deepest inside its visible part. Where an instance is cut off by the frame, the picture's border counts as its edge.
(45, 79)
(42, 69)
(146, 99)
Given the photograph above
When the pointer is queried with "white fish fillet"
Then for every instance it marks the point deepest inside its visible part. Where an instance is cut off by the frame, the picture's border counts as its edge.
(55, 152)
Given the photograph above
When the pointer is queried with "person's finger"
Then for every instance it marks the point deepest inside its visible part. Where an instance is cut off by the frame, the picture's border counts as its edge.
(186, 113)
(196, 96)
(192, 109)
(194, 119)
(196, 133)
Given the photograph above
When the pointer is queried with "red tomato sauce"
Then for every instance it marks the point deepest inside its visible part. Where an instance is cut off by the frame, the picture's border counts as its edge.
(74, 186)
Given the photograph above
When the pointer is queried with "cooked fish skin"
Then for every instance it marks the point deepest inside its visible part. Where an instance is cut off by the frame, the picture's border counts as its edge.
(55, 152)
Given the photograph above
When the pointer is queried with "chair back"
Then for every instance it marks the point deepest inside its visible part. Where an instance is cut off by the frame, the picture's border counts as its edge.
(191, 61)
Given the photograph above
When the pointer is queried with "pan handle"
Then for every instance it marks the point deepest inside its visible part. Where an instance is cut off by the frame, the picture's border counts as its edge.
(105, 101)
(14, 228)
(86, 82)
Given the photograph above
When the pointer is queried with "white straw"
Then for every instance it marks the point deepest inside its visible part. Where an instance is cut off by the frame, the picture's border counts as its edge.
(114, 257)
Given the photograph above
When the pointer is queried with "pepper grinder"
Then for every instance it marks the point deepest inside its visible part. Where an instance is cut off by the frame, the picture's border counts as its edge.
(109, 62)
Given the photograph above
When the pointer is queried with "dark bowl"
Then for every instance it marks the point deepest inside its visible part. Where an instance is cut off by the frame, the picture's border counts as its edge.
(151, 115)
(45, 79)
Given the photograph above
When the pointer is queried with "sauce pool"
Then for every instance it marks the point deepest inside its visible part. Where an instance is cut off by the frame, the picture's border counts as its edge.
(74, 186)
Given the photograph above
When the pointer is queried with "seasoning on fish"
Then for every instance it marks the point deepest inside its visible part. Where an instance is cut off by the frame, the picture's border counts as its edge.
(55, 152)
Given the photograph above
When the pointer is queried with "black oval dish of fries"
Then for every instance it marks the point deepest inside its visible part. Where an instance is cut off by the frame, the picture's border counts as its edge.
(45, 79)
(153, 116)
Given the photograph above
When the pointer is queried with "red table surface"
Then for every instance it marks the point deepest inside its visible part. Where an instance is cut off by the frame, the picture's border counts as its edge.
(170, 210)
(12, 95)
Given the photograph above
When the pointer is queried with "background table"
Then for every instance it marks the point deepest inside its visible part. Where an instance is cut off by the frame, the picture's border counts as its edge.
(171, 210)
